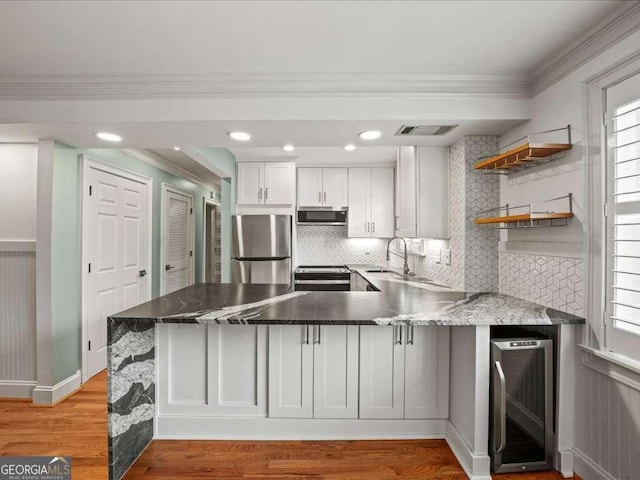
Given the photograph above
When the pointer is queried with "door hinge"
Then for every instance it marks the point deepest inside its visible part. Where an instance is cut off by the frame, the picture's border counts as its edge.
(90, 190)
(89, 344)
(604, 118)
(89, 267)
(606, 209)
(604, 318)
(191, 253)
(191, 211)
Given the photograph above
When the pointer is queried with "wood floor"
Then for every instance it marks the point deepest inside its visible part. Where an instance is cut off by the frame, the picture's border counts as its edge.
(77, 427)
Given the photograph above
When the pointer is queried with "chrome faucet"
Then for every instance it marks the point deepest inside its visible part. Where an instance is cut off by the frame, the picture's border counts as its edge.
(406, 272)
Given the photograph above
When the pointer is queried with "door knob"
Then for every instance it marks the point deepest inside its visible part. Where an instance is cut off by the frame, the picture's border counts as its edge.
(142, 273)
(168, 267)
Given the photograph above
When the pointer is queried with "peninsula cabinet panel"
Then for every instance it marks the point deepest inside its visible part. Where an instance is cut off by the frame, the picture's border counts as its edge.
(290, 371)
(217, 370)
(381, 372)
(335, 371)
(426, 383)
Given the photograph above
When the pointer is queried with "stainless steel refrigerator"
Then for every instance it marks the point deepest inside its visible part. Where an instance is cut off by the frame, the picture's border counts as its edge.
(261, 249)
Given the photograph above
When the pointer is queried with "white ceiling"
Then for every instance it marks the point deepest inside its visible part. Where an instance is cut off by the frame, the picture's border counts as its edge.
(104, 38)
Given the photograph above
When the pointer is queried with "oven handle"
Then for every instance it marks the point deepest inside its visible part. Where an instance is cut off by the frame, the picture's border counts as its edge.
(502, 407)
(323, 282)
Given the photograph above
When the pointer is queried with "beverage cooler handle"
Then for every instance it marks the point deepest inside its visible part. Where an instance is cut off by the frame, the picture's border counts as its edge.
(502, 413)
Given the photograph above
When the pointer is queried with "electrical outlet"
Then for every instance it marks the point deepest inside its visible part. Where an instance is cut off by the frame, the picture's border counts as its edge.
(446, 254)
(439, 256)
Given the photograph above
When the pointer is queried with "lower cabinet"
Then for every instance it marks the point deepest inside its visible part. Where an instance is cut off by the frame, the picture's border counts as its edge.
(313, 371)
(217, 370)
(404, 372)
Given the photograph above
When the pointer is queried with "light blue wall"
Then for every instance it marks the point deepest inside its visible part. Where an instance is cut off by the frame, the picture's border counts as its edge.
(66, 236)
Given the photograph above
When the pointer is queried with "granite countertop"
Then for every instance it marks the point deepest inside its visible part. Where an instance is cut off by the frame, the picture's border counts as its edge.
(399, 302)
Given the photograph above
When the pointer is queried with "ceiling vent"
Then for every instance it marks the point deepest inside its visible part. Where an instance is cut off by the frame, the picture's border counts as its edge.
(424, 130)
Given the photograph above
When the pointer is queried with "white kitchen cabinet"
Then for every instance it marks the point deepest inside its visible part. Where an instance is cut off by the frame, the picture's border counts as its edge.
(266, 183)
(290, 371)
(322, 187)
(404, 372)
(422, 192)
(381, 372)
(426, 377)
(371, 202)
(335, 367)
(218, 370)
(313, 371)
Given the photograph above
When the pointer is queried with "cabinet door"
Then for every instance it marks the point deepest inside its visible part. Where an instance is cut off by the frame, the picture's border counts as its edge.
(310, 187)
(290, 371)
(433, 193)
(250, 183)
(335, 371)
(406, 192)
(279, 183)
(335, 187)
(237, 369)
(426, 372)
(382, 202)
(359, 221)
(381, 372)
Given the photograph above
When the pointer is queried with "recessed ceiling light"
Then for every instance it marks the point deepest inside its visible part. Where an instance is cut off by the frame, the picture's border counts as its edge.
(370, 134)
(350, 147)
(288, 148)
(240, 136)
(176, 148)
(109, 137)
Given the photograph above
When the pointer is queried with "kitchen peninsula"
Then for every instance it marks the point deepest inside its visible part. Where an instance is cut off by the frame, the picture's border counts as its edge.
(166, 357)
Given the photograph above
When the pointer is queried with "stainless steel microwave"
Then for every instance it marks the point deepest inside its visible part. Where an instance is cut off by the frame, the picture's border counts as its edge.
(321, 216)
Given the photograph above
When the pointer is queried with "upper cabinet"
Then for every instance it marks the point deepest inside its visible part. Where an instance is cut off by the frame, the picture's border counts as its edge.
(266, 183)
(322, 187)
(371, 202)
(422, 192)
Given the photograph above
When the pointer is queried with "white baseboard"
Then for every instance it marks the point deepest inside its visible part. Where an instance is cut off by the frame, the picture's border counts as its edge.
(261, 428)
(477, 467)
(565, 463)
(50, 395)
(587, 469)
(16, 388)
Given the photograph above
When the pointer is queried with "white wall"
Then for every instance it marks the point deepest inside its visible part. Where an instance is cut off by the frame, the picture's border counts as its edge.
(18, 164)
(607, 408)
(18, 179)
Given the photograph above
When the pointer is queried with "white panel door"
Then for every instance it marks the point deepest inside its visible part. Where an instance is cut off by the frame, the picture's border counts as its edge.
(116, 241)
(426, 384)
(335, 371)
(382, 199)
(290, 371)
(309, 187)
(237, 370)
(359, 221)
(250, 183)
(335, 187)
(178, 237)
(381, 372)
(279, 183)
(406, 191)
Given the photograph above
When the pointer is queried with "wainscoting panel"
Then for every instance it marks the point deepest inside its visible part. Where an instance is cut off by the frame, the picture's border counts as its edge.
(17, 319)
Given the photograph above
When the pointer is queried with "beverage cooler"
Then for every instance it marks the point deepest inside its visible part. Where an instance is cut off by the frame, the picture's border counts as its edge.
(521, 405)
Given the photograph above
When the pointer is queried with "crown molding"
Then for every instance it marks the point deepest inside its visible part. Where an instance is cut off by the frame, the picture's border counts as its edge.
(609, 31)
(156, 161)
(89, 87)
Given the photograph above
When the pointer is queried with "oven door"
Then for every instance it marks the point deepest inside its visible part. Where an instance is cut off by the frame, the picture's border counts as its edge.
(323, 285)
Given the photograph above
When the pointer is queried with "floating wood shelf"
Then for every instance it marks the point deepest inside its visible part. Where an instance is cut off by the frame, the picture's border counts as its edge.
(522, 156)
(525, 217)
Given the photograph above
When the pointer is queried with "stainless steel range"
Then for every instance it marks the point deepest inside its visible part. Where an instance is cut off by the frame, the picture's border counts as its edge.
(323, 278)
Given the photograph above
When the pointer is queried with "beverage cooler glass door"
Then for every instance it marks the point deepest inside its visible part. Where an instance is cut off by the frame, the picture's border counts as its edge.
(521, 423)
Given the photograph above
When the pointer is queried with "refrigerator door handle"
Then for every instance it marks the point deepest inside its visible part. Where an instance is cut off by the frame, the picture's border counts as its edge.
(502, 408)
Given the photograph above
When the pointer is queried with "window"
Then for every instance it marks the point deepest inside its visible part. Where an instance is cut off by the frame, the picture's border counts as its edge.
(623, 218)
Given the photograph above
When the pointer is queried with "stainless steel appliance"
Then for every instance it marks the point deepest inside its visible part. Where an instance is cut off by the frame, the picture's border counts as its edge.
(261, 249)
(322, 216)
(327, 278)
(521, 413)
